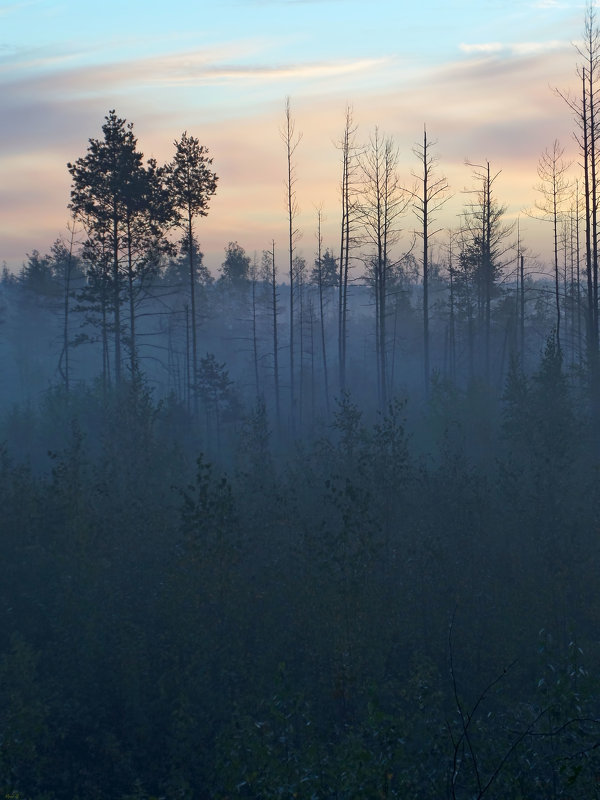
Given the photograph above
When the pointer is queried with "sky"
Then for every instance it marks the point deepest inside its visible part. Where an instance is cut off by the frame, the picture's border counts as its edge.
(481, 74)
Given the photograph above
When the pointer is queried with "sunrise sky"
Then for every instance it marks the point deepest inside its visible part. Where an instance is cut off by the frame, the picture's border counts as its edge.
(480, 73)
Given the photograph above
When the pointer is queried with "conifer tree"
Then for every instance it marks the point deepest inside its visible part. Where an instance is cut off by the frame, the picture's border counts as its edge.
(191, 183)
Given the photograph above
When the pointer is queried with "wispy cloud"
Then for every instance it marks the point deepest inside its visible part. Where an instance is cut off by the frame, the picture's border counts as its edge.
(512, 48)
(552, 4)
(532, 48)
(32, 60)
(187, 71)
(64, 74)
(484, 47)
(9, 8)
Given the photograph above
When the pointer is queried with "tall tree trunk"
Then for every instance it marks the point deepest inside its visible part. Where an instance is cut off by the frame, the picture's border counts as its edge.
(321, 308)
(130, 281)
(188, 371)
(348, 149)
(66, 309)
(425, 265)
(254, 332)
(275, 338)
(452, 317)
(556, 276)
(300, 290)
(291, 141)
(116, 298)
(194, 370)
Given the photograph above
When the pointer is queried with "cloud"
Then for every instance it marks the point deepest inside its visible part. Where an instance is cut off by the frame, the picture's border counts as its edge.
(185, 71)
(34, 60)
(10, 8)
(485, 47)
(492, 102)
(552, 4)
(60, 74)
(513, 48)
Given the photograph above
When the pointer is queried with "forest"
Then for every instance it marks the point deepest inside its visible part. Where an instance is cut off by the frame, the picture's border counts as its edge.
(319, 526)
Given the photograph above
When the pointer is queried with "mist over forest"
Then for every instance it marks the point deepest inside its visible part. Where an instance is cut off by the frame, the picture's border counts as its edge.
(324, 524)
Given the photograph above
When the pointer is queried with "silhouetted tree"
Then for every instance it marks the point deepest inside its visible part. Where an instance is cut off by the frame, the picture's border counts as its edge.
(235, 269)
(269, 275)
(485, 246)
(428, 199)
(215, 388)
(324, 275)
(191, 183)
(291, 140)
(66, 266)
(123, 208)
(36, 276)
(585, 110)
(383, 201)
(555, 189)
(349, 190)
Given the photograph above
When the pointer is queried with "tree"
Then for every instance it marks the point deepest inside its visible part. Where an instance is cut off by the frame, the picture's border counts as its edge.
(428, 199)
(299, 269)
(147, 220)
(485, 246)
(236, 267)
(215, 388)
(254, 277)
(176, 274)
(324, 275)
(590, 53)
(269, 276)
(291, 140)
(36, 275)
(66, 267)
(349, 188)
(191, 183)
(383, 201)
(464, 293)
(175, 291)
(555, 189)
(123, 208)
(94, 300)
(585, 110)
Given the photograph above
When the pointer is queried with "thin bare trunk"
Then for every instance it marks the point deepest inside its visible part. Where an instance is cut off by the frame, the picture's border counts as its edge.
(291, 141)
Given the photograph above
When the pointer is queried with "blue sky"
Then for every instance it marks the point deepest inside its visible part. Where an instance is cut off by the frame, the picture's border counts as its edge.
(480, 73)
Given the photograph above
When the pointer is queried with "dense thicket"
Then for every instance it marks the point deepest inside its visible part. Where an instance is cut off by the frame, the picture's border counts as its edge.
(281, 628)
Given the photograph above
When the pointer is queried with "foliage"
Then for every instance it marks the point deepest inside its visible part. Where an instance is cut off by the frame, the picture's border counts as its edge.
(236, 267)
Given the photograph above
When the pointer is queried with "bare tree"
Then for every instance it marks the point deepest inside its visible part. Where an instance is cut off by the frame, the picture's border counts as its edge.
(585, 111)
(65, 261)
(254, 277)
(555, 190)
(291, 140)
(269, 275)
(428, 199)
(349, 187)
(486, 245)
(382, 203)
(321, 285)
